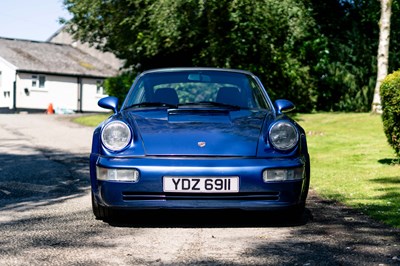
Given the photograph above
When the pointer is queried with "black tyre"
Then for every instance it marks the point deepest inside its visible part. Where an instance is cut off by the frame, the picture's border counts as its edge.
(296, 215)
(100, 212)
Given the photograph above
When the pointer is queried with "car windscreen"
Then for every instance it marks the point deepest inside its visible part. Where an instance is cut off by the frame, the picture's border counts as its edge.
(196, 88)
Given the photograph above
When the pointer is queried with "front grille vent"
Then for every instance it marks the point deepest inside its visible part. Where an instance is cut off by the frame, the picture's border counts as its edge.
(271, 196)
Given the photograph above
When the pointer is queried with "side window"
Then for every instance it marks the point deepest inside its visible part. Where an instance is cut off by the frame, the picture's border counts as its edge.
(257, 98)
(99, 87)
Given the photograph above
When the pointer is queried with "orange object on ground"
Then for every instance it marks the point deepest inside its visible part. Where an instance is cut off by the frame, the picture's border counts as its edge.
(50, 109)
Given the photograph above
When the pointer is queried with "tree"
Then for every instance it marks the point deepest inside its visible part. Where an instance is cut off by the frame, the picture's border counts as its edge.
(272, 38)
(319, 54)
(383, 52)
(346, 70)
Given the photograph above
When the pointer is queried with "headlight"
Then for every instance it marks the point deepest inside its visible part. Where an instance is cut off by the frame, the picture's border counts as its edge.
(116, 135)
(283, 135)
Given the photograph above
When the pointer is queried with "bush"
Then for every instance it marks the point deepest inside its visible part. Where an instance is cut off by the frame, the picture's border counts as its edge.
(390, 98)
(119, 86)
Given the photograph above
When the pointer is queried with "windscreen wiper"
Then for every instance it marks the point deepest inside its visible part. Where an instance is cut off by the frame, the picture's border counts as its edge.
(213, 104)
(152, 104)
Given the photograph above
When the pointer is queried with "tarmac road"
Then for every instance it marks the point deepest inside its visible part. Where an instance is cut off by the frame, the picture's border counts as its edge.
(46, 218)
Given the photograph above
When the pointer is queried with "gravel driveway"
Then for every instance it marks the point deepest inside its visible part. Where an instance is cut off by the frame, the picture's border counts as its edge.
(46, 219)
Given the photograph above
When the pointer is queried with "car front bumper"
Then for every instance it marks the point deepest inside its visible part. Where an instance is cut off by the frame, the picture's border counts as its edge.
(147, 193)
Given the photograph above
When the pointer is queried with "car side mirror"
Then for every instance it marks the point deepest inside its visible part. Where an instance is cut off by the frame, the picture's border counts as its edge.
(109, 102)
(283, 106)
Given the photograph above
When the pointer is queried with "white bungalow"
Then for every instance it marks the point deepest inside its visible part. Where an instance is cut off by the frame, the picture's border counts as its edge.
(34, 75)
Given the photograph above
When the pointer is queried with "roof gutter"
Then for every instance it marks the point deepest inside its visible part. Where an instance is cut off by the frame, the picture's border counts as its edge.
(77, 75)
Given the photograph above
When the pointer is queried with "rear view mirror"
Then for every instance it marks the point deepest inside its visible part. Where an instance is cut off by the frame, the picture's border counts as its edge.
(283, 106)
(199, 77)
(110, 102)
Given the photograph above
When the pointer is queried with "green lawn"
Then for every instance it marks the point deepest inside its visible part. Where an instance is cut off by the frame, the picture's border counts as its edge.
(351, 162)
(91, 120)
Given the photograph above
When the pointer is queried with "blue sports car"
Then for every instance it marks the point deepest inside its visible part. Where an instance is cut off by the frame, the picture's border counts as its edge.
(198, 138)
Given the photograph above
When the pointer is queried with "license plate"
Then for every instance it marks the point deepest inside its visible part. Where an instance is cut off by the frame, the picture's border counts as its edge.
(201, 184)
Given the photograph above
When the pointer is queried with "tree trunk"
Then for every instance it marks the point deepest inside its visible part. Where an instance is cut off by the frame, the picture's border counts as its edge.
(383, 52)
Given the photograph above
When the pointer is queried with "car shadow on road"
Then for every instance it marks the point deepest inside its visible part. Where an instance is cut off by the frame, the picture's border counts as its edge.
(41, 176)
(207, 219)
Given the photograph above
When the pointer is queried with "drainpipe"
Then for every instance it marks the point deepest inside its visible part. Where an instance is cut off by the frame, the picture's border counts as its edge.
(14, 96)
(80, 86)
(14, 108)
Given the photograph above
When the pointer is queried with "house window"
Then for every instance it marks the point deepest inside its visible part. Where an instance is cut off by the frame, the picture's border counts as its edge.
(99, 87)
(6, 94)
(42, 80)
(38, 81)
(34, 81)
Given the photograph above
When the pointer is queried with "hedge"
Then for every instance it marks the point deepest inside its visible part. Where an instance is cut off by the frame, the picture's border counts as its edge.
(390, 99)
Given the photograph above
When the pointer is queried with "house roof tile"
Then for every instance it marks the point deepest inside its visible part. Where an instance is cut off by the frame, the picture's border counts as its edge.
(45, 57)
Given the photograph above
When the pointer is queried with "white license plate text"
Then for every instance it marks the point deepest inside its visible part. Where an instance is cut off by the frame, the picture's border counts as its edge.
(201, 184)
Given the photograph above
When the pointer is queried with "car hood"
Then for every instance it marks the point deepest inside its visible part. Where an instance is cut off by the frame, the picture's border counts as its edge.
(198, 132)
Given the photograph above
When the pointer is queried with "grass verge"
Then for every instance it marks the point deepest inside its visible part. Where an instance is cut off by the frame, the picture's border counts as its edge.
(351, 161)
(91, 120)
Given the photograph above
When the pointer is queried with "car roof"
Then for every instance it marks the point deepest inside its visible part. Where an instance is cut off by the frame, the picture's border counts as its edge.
(178, 69)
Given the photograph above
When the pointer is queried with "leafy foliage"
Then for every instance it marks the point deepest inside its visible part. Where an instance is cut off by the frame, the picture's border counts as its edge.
(390, 98)
(319, 54)
(120, 85)
(266, 37)
(348, 68)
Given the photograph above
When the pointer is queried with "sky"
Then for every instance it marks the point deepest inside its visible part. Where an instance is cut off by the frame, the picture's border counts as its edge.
(31, 19)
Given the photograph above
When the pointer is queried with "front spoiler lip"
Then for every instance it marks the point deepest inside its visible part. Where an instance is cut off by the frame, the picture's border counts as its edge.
(198, 205)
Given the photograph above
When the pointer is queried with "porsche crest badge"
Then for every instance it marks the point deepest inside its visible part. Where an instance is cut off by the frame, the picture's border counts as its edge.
(201, 144)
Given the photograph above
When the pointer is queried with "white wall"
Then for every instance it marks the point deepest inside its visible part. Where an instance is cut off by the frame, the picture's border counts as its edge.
(60, 91)
(6, 84)
(90, 95)
(63, 92)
